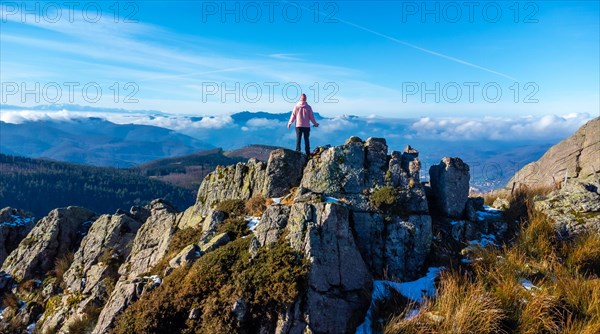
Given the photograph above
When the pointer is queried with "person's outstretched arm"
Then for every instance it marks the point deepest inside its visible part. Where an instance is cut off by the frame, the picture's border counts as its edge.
(312, 118)
(293, 117)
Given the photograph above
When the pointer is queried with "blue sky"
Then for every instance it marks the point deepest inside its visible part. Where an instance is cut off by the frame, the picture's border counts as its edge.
(361, 57)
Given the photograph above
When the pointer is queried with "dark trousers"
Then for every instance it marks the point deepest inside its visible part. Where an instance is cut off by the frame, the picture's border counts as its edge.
(299, 133)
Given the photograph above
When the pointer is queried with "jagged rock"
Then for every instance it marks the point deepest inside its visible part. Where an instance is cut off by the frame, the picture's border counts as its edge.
(139, 213)
(123, 295)
(108, 242)
(405, 247)
(186, 256)
(410, 163)
(94, 267)
(450, 186)
(577, 157)
(254, 247)
(575, 208)
(376, 160)
(15, 224)
(152, 240)
(214, 243)
(55, 235)
(474, 204)
(339, 280)
(213, 219)
(272, 223)
(338, 170)
(240, 181)
(284, 171)
(149, 247)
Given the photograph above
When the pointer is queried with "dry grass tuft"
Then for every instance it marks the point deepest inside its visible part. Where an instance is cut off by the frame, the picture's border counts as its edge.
(256, 205)
(61, 266)
(584, 255)
(463, 306)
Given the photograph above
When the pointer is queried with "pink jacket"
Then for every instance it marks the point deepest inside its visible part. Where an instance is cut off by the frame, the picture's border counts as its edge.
(303, 115)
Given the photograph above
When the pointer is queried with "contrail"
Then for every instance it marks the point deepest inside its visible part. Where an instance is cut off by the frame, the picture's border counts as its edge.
(416, 47)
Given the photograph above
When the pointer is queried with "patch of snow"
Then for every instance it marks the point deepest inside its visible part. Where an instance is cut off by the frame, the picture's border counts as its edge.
(488, 213)
(276, 200)
(527, 284)
(454, 222)
(486, 240)
(252, 222)
(332, 200)
(411, 314)
(415, 290)
(31, 328)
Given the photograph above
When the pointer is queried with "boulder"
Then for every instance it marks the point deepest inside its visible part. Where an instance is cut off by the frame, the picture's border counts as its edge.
(577, 157)
(93, 270)
(240, 181)
(54, 236)
(339, 281)
(284, 171)
(450, 186)
(272, 223)
(152, 240)
(15, 224)
(185, 257)
(574, 208)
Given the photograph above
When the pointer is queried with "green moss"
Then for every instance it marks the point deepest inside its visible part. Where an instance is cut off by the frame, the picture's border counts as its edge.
(383, 197)
(231, 206)
(74, 299)
(234, 227)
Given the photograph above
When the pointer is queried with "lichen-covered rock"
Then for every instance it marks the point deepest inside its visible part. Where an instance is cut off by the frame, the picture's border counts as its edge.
(376, 161)
(150, 245)
(185, 256)
(284, 171)
(55, 235)
(575, 208)
(152, 240)
(450, 186)
(214, 243)
(339, 280)
(108, 243)
(240, 181)
(577, 157)
(15, 224)
(94, 269)
(272, 223)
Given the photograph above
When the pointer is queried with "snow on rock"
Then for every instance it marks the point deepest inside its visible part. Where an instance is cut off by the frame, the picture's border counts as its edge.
(486, 240)
(415, 290)
(252, 222)
(277, 200)
(527, 284)
(489, 214)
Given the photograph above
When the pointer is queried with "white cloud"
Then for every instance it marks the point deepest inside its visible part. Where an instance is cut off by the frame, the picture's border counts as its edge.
(263, 123)
(496, 128)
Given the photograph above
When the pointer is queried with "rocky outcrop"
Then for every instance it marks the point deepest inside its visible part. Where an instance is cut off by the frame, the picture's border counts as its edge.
(55, 235)
(338, 281)
(149, 247)
(284, 171)
(577, 157)
(574, 208)
(450, 186)
(15, 224)
(94, 270)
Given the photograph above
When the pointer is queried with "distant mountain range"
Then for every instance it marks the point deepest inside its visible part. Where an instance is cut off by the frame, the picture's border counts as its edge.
(95, 141)
(107, 141)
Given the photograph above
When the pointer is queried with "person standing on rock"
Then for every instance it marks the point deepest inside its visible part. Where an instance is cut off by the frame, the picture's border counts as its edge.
(303, 115)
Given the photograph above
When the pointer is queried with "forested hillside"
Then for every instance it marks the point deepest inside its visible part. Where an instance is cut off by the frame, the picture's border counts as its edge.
(41, 185)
